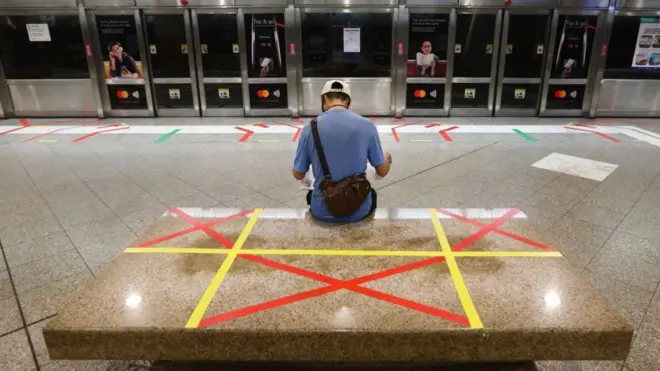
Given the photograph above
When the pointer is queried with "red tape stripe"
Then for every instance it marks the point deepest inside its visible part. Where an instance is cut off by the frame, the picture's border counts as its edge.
(87, 136)
(613, 139)
(353, 284)
(246, 136)
(192, 229)
(444, 134)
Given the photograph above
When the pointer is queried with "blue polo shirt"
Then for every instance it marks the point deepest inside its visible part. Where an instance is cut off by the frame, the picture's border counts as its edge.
(349, 141)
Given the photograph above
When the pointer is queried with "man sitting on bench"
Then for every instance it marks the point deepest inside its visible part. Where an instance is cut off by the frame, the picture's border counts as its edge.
(348, 142)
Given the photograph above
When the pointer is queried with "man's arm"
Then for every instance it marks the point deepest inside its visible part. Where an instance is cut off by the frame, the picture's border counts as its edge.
(302, 160)
(379, 160)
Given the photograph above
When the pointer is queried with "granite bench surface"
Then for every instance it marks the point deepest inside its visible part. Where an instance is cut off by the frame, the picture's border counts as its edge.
(273, 284)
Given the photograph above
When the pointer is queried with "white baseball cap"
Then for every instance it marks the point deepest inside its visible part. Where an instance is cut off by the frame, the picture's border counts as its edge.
(339, 87)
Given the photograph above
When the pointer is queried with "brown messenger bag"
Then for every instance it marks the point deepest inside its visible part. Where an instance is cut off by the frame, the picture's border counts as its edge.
(346, 196)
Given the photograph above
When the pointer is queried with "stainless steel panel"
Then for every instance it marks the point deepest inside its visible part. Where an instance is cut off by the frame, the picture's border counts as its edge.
(354, 9)
(597, 68)
(424, 112)
(125, 82)
(471, 112)
(521, 80)
(69, 97)
(451, 44)
(342, 3)
(156, 3)
(292, 36)
(38, 4)
(91, 66)
(192, 65)
(143, 52)
(6, 106)
(267, 80)
(517, 112)
(471, 80)
(638, 4)
(108, 3)
(493, 63)
(395, 60)
(225, 112)
(260, 3)
(242, 43)
(549, 57)
(194, 3)
(172, 80)
(432, 3)
(371, 96)
(568, 81)
(177, 112)
(629, 98)
(262, 112)
(514, 4)
(563, 113)
(222, 80)
(400, 25)
(584, 4)
(426, 80)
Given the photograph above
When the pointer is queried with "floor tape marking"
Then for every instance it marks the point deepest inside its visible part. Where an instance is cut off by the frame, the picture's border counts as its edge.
(205, 301)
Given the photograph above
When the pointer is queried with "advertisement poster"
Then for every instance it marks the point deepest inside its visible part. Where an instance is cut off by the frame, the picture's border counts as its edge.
(265, 38)
(427, 50)
(647, 49)
(119, 46)
(574, 40)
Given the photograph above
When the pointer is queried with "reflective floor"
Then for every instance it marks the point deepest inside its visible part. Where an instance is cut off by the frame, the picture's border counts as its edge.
(71, 202)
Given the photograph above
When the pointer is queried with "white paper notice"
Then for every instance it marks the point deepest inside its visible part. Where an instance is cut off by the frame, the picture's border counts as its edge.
(647, 50)
(38, 32)
(351, 40)
(308, 181)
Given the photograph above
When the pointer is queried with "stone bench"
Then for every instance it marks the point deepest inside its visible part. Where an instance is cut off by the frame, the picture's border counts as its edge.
(273, 284)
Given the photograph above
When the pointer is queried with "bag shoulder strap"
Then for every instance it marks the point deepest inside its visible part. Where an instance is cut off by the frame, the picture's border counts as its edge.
(319, 149)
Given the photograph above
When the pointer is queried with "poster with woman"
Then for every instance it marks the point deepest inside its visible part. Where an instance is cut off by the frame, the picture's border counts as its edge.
(119, 46)
(265, 42)
(427, 45)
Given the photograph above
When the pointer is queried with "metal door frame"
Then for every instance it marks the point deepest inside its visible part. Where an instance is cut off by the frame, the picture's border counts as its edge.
(394, 10)
(588, 81)
(446, 81)
(602, 59)
(493, 79)
(292, 94)
(501, 80)
(100, 69)
(192, 74)
(6, 100)
(201, 80)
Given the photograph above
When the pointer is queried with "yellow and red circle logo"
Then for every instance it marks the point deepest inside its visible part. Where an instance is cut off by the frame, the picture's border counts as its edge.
(122, 94)
(420, 93)
(560, 94)
(263, 93)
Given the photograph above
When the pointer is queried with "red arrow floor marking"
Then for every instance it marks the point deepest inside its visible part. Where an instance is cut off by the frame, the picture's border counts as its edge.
(444, 134)
(248, 134)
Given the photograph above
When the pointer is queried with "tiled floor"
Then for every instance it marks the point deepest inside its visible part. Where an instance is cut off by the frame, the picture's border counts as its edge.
(68, 209)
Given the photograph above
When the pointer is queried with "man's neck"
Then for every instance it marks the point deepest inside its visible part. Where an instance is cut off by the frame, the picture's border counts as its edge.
(335, 106)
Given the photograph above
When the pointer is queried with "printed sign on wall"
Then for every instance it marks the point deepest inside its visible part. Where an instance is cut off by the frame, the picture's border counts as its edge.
(647, 49)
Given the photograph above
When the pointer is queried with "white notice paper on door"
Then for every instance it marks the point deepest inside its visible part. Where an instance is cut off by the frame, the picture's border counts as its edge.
(38, 32)
(351, 40)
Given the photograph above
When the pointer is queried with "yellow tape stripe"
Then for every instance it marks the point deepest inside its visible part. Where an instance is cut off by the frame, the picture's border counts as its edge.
(470, 254)
(461, 288)
(205, 301)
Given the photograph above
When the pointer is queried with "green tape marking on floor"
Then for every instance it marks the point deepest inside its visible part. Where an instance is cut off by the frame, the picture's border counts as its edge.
(166, 136)
(527, 137)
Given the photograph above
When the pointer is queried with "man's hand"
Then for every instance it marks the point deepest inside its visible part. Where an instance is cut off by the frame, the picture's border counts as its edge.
(388, 157)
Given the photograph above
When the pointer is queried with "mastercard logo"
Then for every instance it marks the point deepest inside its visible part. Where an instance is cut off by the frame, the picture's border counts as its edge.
(122, 94)
(419, 93)
(560, 94)
(263, 93)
